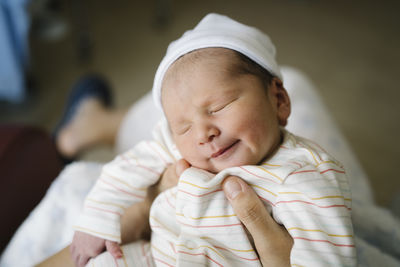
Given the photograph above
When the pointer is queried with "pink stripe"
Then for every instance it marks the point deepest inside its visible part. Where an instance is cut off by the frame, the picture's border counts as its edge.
(137, 164)
(200, 254)
(109, 211)
(298, 164)
(115, 260)
(325, 241)
(266, 200)
(169, 203)
(193, 195)
(144, 255)
(121, 190)
(210, 226)
(332, 170)
(162, 261)
(321, 172)
(264, 178)
(302, 172)
(255, 259)
(310, 203)
(172, 247)
(158, 153)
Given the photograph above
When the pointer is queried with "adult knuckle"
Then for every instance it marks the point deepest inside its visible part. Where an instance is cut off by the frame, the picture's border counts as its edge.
(251, 214)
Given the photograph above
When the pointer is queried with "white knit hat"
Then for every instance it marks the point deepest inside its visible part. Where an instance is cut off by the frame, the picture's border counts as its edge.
(216, 30)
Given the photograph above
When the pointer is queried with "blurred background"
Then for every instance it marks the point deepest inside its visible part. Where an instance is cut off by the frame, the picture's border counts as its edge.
(350, 50)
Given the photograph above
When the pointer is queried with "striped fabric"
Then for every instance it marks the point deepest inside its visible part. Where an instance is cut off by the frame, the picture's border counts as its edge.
(304, 188)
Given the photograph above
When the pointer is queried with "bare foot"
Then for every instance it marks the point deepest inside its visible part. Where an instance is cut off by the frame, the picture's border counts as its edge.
(92, 124)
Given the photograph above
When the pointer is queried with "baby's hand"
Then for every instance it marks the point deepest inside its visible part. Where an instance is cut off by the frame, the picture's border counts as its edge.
(85, 246)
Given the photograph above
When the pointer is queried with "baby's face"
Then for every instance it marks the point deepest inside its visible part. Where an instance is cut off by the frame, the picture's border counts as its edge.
(219, 119)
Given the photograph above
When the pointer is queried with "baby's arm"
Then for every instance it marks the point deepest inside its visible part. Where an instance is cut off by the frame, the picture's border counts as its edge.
(123, 182)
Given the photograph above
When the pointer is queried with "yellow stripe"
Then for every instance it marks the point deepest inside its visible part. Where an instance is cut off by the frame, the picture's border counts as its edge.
(203, 246)
(297, 265)
(316, 230)
(123, 257)
(132, 156)
(253, 185)
(166, 255)
(271, 165)
(125, 183)
(328, 161)
(106, 203)
(195, 185)
(316, 198)
(277, 177)
(165, 149)
(312, 154)
(95, 232)
(206, 217)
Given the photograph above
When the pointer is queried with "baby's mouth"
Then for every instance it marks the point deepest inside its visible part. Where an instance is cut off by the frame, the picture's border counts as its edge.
(224, 150)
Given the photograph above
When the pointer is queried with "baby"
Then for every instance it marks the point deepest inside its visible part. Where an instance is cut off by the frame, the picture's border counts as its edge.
(221, 91)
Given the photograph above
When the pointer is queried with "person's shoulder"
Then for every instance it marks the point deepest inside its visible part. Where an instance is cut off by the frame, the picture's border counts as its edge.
(299, 158)
(304, 151)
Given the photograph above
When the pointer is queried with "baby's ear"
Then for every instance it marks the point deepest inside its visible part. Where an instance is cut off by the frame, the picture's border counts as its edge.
(282, 101)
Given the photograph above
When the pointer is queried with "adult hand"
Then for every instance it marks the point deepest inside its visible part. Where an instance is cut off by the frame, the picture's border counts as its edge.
(272, 241)
(85, 246)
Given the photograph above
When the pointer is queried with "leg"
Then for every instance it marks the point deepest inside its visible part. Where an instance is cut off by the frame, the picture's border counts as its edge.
(88, 118)
(92, 124)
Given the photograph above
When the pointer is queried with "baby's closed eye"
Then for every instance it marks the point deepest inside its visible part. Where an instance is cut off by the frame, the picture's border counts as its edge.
(221, 106)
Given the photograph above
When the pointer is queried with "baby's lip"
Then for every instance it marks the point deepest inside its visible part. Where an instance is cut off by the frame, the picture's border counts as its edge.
(223, 150)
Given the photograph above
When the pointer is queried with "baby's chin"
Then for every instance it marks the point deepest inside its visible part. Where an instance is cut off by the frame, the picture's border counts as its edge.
(217, 167)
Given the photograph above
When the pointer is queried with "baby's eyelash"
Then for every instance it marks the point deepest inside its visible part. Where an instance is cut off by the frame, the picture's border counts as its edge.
(183, 130)
(217, 109)
(221, 107)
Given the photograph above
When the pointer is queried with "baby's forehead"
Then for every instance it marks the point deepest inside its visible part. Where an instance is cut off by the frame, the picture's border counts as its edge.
(212, 55)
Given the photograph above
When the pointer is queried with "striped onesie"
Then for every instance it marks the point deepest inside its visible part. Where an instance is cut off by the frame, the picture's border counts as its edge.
(303, 187)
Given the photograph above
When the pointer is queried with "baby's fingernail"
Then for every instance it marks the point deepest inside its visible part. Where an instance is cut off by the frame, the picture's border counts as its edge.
(232, 188)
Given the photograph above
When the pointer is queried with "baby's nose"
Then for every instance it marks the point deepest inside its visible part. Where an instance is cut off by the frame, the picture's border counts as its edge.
(207, 134)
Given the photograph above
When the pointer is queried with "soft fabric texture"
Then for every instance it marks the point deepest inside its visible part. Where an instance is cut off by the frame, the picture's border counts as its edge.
(216, 30)
(49, 227)
(303, 187)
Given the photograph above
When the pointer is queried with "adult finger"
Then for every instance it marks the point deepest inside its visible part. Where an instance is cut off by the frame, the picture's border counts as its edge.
(114, 249)
(267, 234)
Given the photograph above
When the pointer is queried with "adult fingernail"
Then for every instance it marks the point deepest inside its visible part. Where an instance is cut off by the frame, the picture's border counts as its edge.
(232, 188)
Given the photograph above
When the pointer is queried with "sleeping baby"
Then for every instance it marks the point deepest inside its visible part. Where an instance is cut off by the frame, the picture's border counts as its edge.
(225, 108)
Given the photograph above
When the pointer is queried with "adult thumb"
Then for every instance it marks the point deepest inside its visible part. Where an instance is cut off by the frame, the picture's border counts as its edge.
(247, 206)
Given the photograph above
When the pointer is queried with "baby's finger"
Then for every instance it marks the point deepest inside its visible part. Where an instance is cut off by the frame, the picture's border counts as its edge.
(82, 260)
(114, 249)
(181, 166)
